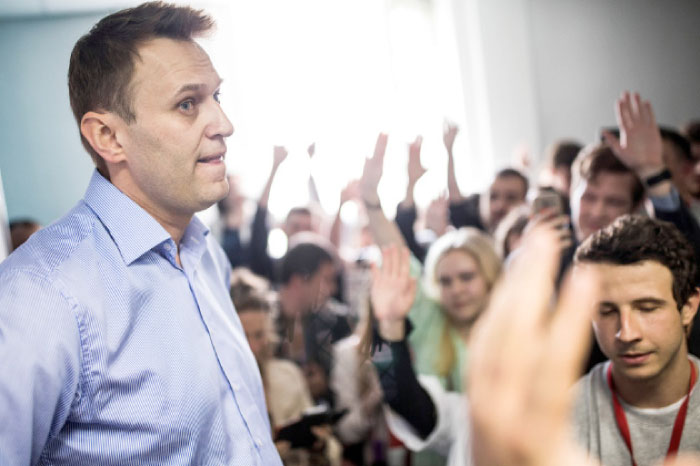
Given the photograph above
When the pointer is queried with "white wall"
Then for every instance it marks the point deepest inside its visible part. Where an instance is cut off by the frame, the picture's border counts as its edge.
(538, 70)
(44, 167)
(585, 53)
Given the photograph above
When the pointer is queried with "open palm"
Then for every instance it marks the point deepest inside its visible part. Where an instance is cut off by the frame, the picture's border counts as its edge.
(393, 288)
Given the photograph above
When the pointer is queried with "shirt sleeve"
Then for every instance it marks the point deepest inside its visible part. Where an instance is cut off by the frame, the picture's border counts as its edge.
(405, 218)
(259, 261)
(402, 392)
(39, 363)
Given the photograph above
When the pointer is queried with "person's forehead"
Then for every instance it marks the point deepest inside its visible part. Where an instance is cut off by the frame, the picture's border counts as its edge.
(507, 183)
(630, 282)
(611, 183)
(455, 259)
(169, 64)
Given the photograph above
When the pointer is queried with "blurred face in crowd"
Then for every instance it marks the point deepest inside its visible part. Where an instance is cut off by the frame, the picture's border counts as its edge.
(320, 287)
(463, 288)
(297, 222)
(638, 324)
(256, 327)
(595, 203)
(685, 173)
(174, 149)
(505, 193)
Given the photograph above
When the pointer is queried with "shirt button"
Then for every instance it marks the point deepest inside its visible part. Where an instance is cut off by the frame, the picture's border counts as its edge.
(258, 442)
(167, 246)
(235, 387)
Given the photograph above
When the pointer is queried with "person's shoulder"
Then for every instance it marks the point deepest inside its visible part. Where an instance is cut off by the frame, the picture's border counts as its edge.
(284, 369)
(43, 254)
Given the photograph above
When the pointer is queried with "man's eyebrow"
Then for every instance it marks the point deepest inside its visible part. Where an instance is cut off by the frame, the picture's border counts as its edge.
(649, 300)
(196, 87)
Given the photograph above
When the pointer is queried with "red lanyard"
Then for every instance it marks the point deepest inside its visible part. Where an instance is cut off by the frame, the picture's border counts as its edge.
(677, 426)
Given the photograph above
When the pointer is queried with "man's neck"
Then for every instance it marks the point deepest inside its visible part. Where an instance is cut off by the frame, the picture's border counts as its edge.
(174, 223)
(663, 390)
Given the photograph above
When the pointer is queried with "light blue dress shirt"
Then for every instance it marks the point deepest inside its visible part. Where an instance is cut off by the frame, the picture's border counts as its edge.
(112, 354)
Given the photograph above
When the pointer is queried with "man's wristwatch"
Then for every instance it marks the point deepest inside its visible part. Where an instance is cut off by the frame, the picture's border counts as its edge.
(660, 177)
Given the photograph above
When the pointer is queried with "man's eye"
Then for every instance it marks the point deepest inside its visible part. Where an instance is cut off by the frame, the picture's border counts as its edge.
(217, 96)
(186, 105)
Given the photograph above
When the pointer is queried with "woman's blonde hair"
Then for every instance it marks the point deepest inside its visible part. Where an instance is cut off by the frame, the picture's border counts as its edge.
(474, 242)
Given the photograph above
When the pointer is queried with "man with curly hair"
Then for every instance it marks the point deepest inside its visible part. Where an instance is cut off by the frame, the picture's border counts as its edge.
(640, 405)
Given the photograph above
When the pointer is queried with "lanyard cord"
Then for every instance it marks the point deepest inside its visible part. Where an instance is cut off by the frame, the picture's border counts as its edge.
(677, 426)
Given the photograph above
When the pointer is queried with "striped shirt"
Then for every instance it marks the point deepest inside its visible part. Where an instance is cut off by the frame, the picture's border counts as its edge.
(112, 354)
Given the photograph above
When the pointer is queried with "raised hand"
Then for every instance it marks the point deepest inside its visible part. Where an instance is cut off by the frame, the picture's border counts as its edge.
(449, 135)
(373, 169)
(415, 168)
(437, 215)
(639, 146)
(279, 155)
(392, 293)
(520, 395)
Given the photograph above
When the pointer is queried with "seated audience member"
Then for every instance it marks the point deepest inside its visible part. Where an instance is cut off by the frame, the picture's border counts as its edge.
(286, 392)
(641, 404)
(560, 157)
(483, 211)
(21, 230)
(306, 325)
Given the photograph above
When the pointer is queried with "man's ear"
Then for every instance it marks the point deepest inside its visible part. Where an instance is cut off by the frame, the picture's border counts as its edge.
(690, 308)
(100, 130)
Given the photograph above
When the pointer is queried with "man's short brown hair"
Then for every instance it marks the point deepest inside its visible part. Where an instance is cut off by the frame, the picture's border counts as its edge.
(632, 239)
(102, 61)
(599, 158)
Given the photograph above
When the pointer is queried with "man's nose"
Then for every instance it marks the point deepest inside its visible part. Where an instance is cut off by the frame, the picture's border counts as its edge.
(219, 125)
(629, 328)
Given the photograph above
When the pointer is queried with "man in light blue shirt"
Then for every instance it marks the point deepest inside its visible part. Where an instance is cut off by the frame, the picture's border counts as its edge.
(118, 341)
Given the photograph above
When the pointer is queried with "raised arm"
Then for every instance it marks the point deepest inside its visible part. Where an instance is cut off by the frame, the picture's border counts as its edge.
(383, 231)
(279, 154)
(406, 211)
(258, 259)
(392, 293)
(448, 138)
(640, 148)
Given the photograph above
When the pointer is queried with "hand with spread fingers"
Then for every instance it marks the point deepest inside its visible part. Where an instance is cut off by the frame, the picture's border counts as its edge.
(639, 146)
(525, 359)
(392, 293)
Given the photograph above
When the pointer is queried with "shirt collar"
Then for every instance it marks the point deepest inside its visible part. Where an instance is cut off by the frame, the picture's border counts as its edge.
(133, 230)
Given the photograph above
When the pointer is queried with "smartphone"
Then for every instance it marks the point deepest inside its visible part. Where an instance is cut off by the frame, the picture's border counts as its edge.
(548, 200)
